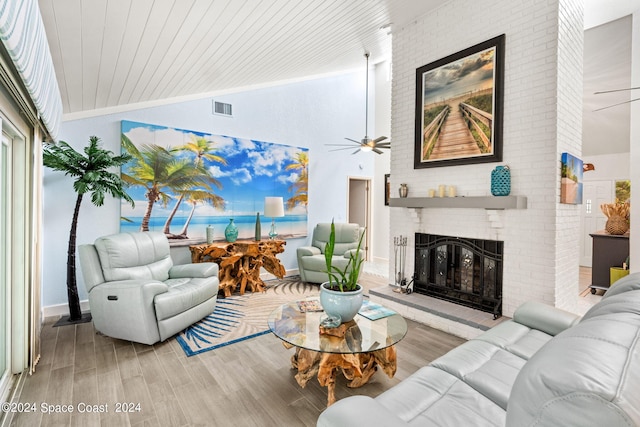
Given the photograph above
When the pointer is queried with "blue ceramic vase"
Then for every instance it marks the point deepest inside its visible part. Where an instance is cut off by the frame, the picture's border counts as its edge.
(231, 232)
(501, 181)
(344, 304)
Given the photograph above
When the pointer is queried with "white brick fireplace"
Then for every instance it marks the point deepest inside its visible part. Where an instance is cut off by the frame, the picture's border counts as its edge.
(542, 119)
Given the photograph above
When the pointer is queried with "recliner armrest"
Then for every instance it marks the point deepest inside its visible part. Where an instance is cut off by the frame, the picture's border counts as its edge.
(348, 253)
(545, 318)
(144, 290)
(308, 251)
(202, 270)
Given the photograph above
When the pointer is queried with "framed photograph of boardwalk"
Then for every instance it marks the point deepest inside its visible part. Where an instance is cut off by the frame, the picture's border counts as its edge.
(459, 102)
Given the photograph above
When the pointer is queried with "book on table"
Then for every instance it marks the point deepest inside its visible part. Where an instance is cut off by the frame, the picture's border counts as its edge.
(309, 305)
(374, 311)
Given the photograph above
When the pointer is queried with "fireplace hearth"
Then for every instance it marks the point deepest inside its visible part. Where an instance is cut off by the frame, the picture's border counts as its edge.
(461, 270)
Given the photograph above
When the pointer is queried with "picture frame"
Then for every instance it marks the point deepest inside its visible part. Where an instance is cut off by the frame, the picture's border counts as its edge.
(571, 186)
(459, 107)
(387, 189)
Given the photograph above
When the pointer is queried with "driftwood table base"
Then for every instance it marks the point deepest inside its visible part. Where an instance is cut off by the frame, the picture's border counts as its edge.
(356, 367)
(240, 263)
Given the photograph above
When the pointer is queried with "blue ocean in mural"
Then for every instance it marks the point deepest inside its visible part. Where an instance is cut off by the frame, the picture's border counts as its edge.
(289, 226)
(198, 179)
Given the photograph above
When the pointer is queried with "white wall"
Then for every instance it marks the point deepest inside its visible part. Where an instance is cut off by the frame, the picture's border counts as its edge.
(542, 119)
(614, 167)
(306, 114)
(380, 238)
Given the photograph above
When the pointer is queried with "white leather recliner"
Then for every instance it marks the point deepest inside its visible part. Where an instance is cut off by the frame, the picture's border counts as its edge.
(311, 262)
(137, 294)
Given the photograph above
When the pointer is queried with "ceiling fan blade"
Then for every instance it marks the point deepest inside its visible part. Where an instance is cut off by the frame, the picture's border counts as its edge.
(375, 150)
(380, 138)
(615, 105)
(343, 148)
(356, 152)
(384, 145)
(353, 140)
(615, 90)
(340, 145)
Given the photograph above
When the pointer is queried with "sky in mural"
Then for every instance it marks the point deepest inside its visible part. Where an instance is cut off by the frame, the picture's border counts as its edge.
(247, 171)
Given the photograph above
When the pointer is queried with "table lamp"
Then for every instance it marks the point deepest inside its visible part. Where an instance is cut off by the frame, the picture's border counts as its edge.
(273, 208)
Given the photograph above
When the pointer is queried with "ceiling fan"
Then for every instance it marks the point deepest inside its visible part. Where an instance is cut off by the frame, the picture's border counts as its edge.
(616, 90)
(366, 144)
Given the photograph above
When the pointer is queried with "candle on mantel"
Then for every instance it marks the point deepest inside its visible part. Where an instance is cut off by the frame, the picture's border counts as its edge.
(432, 192)
(452, 191)
(441, 189)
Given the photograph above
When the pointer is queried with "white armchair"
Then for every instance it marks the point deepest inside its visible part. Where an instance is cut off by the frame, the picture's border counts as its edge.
(137, 294)
(311, 262)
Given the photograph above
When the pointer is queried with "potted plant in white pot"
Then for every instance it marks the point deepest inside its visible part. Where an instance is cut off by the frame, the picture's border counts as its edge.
(342, 294)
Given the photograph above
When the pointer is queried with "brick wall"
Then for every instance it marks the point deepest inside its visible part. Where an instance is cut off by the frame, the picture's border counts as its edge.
(542, 119)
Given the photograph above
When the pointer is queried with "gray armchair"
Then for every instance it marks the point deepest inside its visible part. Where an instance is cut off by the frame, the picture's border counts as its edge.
(137, 294)
(311, 262)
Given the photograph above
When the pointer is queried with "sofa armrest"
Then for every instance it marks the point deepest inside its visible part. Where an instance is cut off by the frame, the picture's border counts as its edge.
(358, 411)
(545, 318)
(202, 270)
(308, 251)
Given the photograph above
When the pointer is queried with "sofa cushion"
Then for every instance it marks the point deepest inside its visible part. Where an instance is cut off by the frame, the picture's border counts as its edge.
(432, 397)
(486, 368)
(630, 282)
(586, 375)
(129, 256)
(518, 339)
(184, 294)
(625, 305)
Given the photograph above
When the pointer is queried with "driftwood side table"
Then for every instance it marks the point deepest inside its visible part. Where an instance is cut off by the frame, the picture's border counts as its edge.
(240, 262)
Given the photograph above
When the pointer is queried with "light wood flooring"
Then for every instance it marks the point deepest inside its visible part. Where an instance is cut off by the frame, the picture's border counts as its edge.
(245, 384)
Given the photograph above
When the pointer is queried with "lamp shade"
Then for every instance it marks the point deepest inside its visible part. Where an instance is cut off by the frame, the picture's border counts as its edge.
(273, 207)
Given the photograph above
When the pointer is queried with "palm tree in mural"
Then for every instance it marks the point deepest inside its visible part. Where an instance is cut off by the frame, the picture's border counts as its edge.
(202, 149)
(91, 171)
(196, 197)
(160, 173)
(301, 185)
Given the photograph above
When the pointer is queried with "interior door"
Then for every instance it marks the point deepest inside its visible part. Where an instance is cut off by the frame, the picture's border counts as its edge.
(359, 207)
(592, 219)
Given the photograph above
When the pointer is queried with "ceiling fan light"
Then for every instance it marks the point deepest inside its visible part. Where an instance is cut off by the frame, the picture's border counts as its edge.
(366, 148)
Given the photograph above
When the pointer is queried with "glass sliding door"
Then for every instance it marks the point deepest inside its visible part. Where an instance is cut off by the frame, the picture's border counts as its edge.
(5, 265)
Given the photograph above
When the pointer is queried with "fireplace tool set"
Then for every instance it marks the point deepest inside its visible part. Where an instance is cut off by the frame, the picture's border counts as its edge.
(400, 252)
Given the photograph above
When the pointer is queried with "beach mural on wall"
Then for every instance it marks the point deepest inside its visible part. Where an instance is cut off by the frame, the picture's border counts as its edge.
(183, 181)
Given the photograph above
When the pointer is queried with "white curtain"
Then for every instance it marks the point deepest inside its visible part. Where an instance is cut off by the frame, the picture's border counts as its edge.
(23, 36)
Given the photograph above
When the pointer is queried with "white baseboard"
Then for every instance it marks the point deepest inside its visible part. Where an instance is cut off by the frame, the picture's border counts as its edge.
(62, 309)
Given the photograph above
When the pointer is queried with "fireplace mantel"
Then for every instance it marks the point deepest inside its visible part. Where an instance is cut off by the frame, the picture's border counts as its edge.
(482, 202)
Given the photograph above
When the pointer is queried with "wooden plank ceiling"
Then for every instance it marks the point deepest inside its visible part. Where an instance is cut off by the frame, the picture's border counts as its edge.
(109, 53)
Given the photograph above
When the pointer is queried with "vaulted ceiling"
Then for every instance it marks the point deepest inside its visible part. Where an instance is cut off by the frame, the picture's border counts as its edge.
(110, 53)
(113, 52)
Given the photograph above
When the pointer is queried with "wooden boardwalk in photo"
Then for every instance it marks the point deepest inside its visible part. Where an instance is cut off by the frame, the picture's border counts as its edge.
(455, 139)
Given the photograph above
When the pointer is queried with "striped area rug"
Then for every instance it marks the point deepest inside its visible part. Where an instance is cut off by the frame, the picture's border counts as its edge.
(241, 317)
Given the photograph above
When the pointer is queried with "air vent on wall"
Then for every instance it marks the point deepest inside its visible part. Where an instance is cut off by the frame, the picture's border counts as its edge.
(222, 108)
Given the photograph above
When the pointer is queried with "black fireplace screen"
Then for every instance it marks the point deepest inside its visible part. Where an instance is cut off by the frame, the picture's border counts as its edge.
(460, 270)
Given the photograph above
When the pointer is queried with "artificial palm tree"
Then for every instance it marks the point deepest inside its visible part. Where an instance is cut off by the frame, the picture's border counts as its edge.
(92, 175)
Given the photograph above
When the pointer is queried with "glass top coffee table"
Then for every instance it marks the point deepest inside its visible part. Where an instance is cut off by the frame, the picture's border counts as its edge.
(356, 348)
